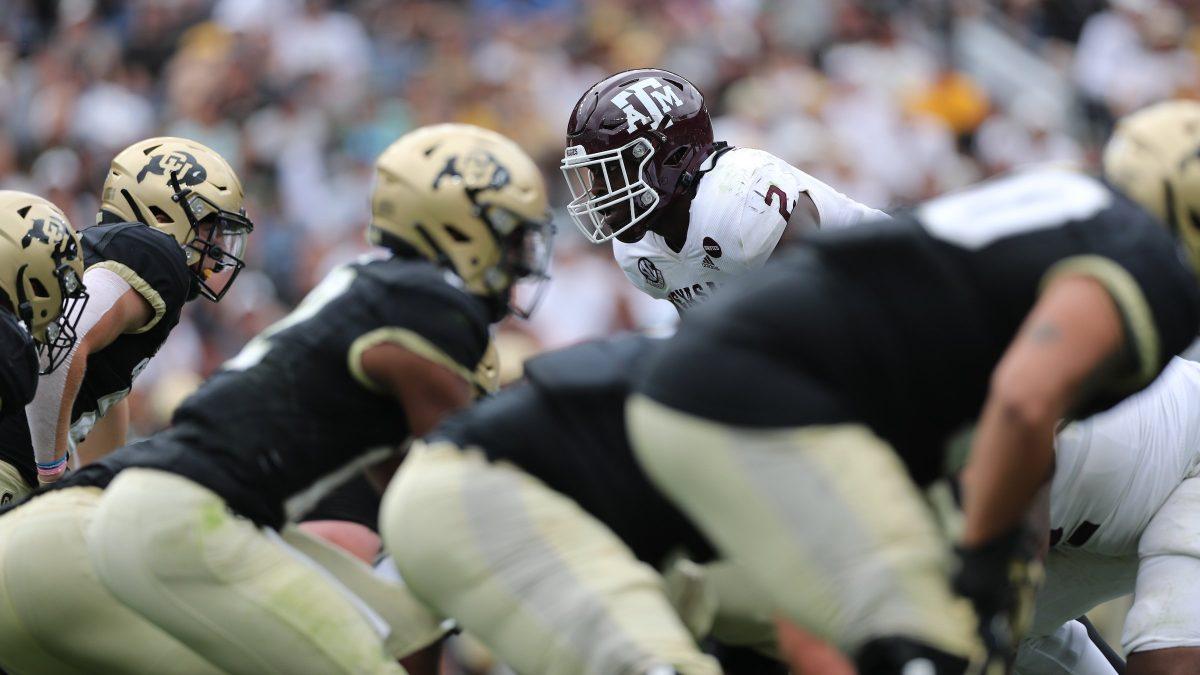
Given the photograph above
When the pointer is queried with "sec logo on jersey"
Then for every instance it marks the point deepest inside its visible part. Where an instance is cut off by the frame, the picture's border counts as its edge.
(650, 271)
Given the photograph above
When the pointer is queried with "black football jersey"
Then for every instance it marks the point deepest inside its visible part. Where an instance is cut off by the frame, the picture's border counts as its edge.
(899, 324)
(18, 365)
(155, 266)
(18, 382)
(565, 425)
(293, 416)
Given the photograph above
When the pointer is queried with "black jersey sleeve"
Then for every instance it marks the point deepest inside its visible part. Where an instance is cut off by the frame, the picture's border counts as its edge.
(1154, 289)
(18, 366)
(426, 315)
(149, 260)
(595, 366)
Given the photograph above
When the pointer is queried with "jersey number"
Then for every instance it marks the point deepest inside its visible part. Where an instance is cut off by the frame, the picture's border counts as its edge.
(774, 191)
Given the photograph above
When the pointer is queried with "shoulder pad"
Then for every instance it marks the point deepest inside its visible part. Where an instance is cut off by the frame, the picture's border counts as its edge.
(596, 366)
(149, 260)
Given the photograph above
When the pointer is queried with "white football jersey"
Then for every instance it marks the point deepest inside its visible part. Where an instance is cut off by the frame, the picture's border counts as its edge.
(737, 217)
(1116, 469)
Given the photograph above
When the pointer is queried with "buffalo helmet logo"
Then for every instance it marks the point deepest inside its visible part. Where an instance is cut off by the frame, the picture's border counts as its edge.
(657, 98)
(53, 232)
(190, 171)
(654, 276)
(477, 171)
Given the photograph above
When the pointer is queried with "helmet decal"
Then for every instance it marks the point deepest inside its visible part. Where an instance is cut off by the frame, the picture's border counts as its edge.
(658, 100)
(654, 276)
(191, 172)
(478, 171)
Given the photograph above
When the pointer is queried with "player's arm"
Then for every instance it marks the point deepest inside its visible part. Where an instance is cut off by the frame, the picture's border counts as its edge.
(113, 309)
(427, 390)
(1073, 332)
(803, 218)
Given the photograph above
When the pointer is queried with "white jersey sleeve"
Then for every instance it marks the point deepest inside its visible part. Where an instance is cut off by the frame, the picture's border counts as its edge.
(739, 213)
(105, 287)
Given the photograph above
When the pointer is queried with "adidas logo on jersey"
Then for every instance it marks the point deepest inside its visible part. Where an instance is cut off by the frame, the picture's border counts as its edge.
(708, 262)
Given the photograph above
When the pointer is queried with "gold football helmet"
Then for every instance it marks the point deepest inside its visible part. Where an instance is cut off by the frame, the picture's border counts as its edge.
(469, 200)
(41, 272)
(1154, 158)
(190, 192)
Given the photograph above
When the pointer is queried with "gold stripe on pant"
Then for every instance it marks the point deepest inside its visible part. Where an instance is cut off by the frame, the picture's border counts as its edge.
(824, 518)
(546, 586)
(55, 616)
(170, 549)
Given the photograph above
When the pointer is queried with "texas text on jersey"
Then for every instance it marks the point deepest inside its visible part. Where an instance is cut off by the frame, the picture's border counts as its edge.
(743, 202)
(153, 265)
(293, 415)
(904, 320)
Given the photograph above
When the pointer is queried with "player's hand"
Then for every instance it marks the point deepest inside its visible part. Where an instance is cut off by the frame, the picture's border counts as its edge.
(1000, 578)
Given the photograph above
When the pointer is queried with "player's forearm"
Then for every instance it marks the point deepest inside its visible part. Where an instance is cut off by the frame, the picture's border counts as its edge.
(1011, 459)
(50, 412)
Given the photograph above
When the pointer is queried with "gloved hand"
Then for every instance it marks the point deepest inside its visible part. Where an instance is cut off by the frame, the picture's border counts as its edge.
(1000, 578)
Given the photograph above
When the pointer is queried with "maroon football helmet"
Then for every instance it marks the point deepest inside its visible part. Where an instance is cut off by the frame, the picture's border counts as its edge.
(634, 143)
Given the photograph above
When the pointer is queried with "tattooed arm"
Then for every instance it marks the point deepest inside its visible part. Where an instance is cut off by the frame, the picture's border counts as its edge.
(1072, 331)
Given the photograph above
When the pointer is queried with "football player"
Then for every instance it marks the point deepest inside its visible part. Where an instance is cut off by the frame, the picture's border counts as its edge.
(171, 227)
(528, 520)
(688, 214)
(381, 350)
(794, 418)
(1124, 508)
(41, 299)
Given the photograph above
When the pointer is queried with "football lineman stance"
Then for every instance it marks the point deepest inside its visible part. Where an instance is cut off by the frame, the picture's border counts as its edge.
(381, 350)
(688, 214)
(1124, 508)
(794, 418)
(41, 299)
(171, 227)
(528, 520)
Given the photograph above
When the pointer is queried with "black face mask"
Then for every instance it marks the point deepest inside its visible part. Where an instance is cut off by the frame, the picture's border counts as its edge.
(219, 236)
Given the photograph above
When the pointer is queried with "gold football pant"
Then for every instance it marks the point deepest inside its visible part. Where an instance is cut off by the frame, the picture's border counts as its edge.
(824, 518)
(12, 486)
(234, 593)
(55, 616)
(545, 585)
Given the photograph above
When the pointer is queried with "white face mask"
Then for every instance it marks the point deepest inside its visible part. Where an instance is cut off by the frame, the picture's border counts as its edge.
(602, 189)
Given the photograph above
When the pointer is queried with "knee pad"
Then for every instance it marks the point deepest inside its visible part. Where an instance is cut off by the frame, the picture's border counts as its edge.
(905, 656)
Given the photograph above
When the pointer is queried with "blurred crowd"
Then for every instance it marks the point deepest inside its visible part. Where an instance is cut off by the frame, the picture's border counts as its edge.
(301, 95)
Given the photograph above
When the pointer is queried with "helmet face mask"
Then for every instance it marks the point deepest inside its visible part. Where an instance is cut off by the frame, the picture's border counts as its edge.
(607, 197)
(526, 248)
(61, 334)
(217, 235)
